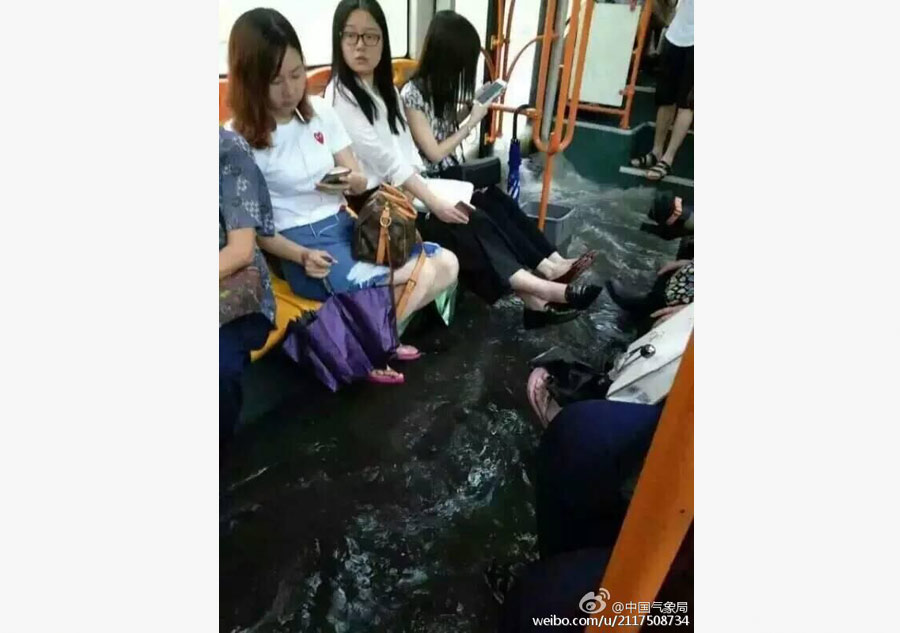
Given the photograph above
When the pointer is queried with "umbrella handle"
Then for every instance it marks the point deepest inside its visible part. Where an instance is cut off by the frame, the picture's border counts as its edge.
(515, 134)
(327, 285)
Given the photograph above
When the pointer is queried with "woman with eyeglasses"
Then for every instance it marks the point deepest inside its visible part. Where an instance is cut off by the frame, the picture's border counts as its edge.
(363, 95)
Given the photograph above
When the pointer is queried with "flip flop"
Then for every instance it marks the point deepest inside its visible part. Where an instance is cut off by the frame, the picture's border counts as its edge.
(406, 353)
(583, 263)
(385, 379)
(537, 379)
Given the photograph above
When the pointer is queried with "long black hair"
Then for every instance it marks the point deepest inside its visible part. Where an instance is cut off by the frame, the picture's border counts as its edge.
(345, 78)
(446, 72)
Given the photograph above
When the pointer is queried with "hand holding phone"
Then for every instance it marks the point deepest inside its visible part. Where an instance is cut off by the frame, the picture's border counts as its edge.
(491, 93)
(335, 176)
(465, 207)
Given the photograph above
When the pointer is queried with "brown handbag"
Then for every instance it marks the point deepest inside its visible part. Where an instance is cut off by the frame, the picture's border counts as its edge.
(385, 233)
(385, 227)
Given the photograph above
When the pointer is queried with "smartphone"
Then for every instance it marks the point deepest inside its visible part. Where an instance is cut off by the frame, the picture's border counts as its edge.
(333, 177)
(491, 93)
(465, 207)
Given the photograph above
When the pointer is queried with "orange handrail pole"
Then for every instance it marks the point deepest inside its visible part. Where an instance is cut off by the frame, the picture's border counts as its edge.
(662, 508)
(632, 82)
(548, 37)
(528, 112)
(545, 187)
(512, 67)
(565, 79)
(504, 44)
(564, 100)
(496, 45)
(490, 64)
(552, 147)
(506, 41)
(579, 73)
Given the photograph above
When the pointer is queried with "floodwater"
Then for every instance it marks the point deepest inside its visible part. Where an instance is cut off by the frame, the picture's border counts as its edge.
(379, 508)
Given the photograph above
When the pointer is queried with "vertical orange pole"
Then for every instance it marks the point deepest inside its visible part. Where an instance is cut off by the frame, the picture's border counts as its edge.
(635, 66)
(545, 189)
(662, 507)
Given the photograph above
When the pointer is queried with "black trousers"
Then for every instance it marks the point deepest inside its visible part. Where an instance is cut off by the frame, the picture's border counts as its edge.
(498, 241)
(236, 340)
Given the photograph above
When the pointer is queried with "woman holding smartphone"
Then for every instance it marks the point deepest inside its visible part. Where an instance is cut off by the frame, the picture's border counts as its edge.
(492, 260)
(444, 79)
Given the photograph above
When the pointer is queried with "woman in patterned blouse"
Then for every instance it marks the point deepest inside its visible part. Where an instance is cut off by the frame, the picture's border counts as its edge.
(444, 79)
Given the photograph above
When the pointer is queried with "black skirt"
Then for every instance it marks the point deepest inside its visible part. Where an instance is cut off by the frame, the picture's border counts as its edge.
(498, 241)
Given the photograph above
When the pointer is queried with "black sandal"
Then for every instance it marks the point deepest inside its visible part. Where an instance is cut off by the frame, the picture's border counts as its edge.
(660, 170)
(645, 162)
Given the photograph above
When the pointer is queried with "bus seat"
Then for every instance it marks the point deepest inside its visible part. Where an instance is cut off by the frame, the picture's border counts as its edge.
(224, 111)
(317, 80)
(288, 307)
(403, 70)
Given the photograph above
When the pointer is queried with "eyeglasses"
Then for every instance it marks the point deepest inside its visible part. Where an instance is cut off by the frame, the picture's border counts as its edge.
(369, 39)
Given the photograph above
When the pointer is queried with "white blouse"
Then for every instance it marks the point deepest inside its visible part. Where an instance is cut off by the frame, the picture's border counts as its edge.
(385, 157)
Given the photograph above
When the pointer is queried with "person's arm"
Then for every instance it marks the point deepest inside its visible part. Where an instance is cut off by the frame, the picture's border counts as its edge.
(445, 210)
(315, 263)
(390, 166)
(463, 112)
(436, 151)
(356, 179)
(368, 147)
(237, 253)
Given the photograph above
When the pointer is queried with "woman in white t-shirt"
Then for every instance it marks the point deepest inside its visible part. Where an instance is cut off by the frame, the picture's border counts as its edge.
(296, 140)
(364, 97)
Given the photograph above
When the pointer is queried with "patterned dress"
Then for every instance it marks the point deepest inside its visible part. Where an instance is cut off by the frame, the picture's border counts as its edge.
(441, 128)
(680, 287)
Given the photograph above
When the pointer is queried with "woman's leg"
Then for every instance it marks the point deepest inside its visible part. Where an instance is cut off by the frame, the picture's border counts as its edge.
(232, 360)
(476, 270)
(526, 241)
(538, 253)
(524, 282)
(438, 273)
(236, 340)
(586, 456)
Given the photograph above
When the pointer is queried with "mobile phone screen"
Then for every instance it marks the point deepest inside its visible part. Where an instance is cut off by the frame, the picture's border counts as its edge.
(491, 92)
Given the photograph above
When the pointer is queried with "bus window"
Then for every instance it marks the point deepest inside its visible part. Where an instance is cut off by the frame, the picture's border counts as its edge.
(308, 19)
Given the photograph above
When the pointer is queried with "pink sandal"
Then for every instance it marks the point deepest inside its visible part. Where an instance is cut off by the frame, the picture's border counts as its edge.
(538, 380)
(386, 379)
(406, 353)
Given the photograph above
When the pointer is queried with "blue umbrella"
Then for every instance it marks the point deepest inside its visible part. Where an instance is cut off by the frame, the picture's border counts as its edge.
(515, 157)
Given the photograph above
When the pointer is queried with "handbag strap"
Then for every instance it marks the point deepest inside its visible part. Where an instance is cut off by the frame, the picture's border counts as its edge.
(411, 282)
(400, 304)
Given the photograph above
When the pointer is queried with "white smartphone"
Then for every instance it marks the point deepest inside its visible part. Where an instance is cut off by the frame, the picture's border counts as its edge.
(491, 93)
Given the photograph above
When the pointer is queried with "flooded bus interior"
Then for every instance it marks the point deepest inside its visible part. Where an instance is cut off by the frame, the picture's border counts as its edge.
(417, 507)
